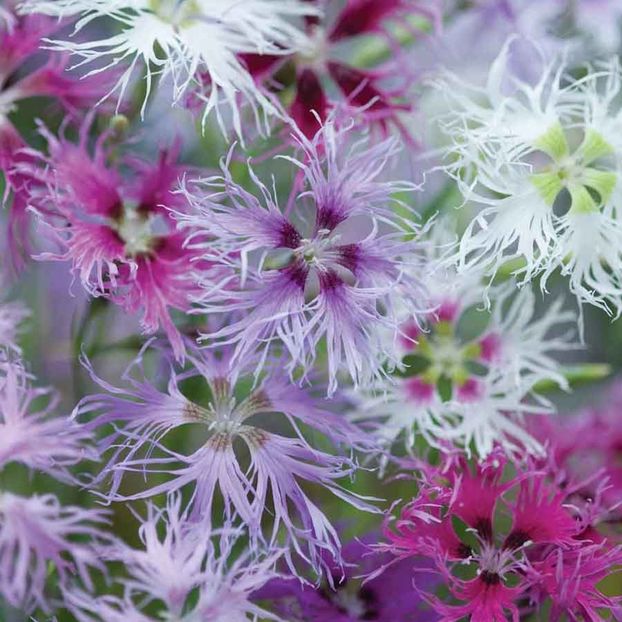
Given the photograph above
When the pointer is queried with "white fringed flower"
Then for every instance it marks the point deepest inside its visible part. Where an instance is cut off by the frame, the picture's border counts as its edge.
(195, 43)
(468, 376)
(543, 163)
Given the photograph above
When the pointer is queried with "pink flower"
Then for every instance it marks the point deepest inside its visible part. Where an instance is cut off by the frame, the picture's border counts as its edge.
(118, 233)
(20, 38)
(29, 433)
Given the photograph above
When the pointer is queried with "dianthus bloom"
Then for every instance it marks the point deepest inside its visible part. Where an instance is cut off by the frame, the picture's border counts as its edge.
(12, 315)
(503, 543)
(543, 162)
(344, 597)
(117, 230)
(251, 468)
(189, 42)
(179, 560)
(471, 388)
(324, 271)
(38, 533)
(318, 65)
(23, 74)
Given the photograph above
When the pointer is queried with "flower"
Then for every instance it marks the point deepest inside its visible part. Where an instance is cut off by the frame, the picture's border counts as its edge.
(29, 434)
(544, 199)
(12, 315)
(332, 281)
(470, 388)
(117, 232)
(378, 94)
(234, 454)
(20, 37)
(498, 533)
(391, 596)
(38, 532)
(179, 558)
(190, 42)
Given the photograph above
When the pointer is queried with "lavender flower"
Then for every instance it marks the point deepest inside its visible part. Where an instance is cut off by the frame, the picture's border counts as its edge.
(276, 468)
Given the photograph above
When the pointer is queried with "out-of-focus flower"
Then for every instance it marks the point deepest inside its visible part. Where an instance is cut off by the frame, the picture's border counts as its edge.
(325, 270)
(12, 315)
(180, 559)
(38, 534)
(190, 42)
(500, 541)
(118, 232)
(584, 451)
(20, 37)
(30, 433)
(470, 388)
(251, 467)
(392, 596)
(378, 94)
(542, 162)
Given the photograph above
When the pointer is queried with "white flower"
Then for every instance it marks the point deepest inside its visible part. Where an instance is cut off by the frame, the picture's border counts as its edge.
(195, 43)
(464, 386)
(543, 163)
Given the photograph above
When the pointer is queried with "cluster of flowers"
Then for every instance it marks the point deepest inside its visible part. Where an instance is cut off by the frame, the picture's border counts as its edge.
(304, 318)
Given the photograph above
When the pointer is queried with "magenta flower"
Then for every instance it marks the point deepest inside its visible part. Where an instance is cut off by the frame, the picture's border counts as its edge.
(29, 433)
(504, 544)
(38, 532)
(379, 94)
(116, 232)
(235, 457)
(392, 596)
(332, 277)
(20, 38)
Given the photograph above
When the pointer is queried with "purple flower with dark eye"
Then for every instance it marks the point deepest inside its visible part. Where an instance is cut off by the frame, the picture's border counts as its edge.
(327, 270)
(392, 595)
(236, 457)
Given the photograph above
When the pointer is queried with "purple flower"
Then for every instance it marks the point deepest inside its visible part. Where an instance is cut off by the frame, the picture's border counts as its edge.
(179, 559)
(30, 434)
(390, 596)
(250, 466)
(39, 533)
(327, 269)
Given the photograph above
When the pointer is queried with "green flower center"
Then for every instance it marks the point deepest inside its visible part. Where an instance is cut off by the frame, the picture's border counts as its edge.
(581, 172)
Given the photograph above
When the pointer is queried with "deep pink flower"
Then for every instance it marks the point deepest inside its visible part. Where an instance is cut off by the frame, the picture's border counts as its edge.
(381, 93)
(117, 232)
(505, 540)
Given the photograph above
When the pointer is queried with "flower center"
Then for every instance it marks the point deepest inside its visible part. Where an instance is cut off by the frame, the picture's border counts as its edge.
(580, 173)
(317, 251)
(136, 230)
(175, 12)
(316, 52)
